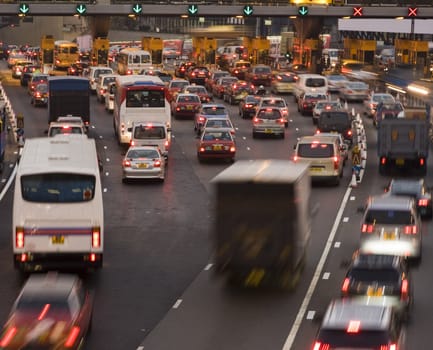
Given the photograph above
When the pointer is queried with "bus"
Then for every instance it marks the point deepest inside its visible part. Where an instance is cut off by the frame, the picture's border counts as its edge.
(133, 60)
(139, 98)
(65, 54)
(58, 216)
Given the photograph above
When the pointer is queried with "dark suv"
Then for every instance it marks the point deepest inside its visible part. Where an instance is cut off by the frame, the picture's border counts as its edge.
(337, 120)
(379, 276)
(355, 324)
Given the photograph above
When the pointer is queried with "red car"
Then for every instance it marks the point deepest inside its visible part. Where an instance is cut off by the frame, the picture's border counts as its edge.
(235, 92)
(52, 311)
(216, 143)
(198, 75)
(174, 87)
(200, 91)
(221, 83)
(185, 106)
(39, 96)
(307, 101)
(35, 80)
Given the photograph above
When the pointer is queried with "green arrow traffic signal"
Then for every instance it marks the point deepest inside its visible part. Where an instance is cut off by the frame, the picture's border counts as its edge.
(248, 10)
(303, 10)
(192, 9)
(137, 8)
(81, 9)
(24, 8)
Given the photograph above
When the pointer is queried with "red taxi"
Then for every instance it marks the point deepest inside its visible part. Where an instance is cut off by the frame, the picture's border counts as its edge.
(174, 87)
(200, 91)
(235, 92)
(52, 311)
(221, 83)
(198, 75)
(216, 143)
(185, 106)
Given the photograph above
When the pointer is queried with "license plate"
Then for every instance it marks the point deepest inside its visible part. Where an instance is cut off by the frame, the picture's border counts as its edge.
(189, 107)
(315, 169)
(254, 278)
(142, 166)
(217, 148)
(399, 161)
(268, 131)
(389, 236)
(57, 239)
(372, 292)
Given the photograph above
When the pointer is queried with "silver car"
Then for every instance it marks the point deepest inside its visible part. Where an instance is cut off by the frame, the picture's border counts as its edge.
(355, 91)
(269, 121)
(391, 225)
(143, 162)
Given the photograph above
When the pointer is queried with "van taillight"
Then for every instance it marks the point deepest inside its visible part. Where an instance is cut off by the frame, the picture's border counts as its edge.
(410, 230)
(19, 237)
(295, 158)
(336, 163)
(167, 143)
(367, 228)
(404, 290)
(321, 346)
(96, 237)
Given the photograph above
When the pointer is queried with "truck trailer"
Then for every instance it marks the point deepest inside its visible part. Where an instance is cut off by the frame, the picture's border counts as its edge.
(403, 141)
(262, 222)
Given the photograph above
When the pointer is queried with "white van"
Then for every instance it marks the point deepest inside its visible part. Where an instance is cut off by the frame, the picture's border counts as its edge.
(151, 134)
(58, 215)
(310, 83)
(93, 75)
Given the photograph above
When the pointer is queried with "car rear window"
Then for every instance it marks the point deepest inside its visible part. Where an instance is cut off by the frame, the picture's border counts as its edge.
(328, 119)
(273, 103)
(269, 114)
(389, 217)
(375, 275)
(214, 111)
(365, 339)
(315, 82)
(285, 78)
(315, 150)
(262, 70)
(149, 132)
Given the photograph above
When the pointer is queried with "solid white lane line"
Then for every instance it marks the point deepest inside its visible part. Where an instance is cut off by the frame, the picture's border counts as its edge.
(303, 309)
(8, 184)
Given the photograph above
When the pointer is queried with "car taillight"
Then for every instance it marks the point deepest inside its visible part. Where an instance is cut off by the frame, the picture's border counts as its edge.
(421, 161)
(317, 131)
(157, 164)
(423, 202)
(295, 158)
(281, 121)
(383, 160)
(8, 336)
(404, 290)
(367, 228)
(177, 109)
(72, 337)
(19, 237)
(126, 163)
(410, 230)
(345, 285)
(38, 94)
(305, 105)
(320, 346)
(132, 143)
(167, 143)
(388, 347)
(349, 133)
(96, 237)
(255, 120)
(232, 149)
(248, 106)
(336, 163)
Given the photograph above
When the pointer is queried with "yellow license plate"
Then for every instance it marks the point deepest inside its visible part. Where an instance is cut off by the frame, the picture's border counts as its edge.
(389, 236)
(142, 165)
(268, 131)
(316, 169)
(217, 148)
(399, 161)
(188, 107)
(371, 292)
(57, 239)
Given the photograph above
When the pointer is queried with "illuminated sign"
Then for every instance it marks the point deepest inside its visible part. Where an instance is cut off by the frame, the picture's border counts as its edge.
(303, 10)
(248, 10)
(192, 9)
(357, 12)
(412, 11)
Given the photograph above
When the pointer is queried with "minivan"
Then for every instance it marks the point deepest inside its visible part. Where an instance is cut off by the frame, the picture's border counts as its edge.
(151, 134)
(324, 156)
(310, 83)
(93, 75)
(338, 121)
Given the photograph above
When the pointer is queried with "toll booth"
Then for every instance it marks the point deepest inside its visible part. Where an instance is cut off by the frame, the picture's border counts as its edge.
(154, 46)
(360, 50)
(100, 49)
(411, 52)
(258, 49)
(204, 50)
(313, 55)
(47, 52)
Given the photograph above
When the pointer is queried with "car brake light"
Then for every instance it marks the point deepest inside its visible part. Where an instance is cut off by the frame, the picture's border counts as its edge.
(410, 230)
(320, 346)
(404, 289)
(44, 312)
(8, 336)
(422, 202)
(336, 163)
(132, 143)
(317, 131)
(233, 149)
(96, 237)
(72, 337)
(383, 160)
(349, 132)
(157, 163)
(421, 161)
(248, 106)
(367, 228)
(388, 347)
(19, 237)
(346, 284)
(281, 120)
(353, 327)
(167, 144)
(201, 119)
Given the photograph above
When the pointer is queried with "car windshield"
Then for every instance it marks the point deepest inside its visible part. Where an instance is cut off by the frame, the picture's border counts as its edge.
(262, 70)
(315, 150)
(189, 99)
(142, 153)
(218, 123)
(389, 217)
(178, 84)
(286, 78)
(197, 90)
(375, 275)
(214, 110)
(357, 86)
(337, 78)
(149, 132)
(49, 308)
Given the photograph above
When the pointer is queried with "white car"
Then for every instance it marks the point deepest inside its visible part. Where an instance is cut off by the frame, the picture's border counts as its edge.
(279, 102)
(109, 97)
(102, 85)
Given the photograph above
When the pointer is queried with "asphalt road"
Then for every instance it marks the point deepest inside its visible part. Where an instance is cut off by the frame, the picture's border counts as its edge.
(157, 288)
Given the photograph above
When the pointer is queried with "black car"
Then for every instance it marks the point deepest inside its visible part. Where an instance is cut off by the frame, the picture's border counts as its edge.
(182, 69)
(337, 120)
(248, 106)
(27, 72)
(198, 75)
(415, 188)
(77, 68)
(379, 276)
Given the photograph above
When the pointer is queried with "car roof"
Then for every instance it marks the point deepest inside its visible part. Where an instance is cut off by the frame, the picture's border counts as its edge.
(341, 313)
(52, 285)
(376, 261)
(390, 202)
